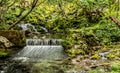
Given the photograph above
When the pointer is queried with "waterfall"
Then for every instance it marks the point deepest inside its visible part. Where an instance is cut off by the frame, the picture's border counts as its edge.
(31, 27)
(28, 26)
(42, 49)
(44, 28)
(43, 42)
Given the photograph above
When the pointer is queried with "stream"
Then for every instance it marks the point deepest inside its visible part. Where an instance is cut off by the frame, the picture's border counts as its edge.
(39, 56)
(44, 55)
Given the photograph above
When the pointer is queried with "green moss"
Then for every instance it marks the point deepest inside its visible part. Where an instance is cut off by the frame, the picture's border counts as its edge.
(96, 56)
(115, 53)
(3, 54)
(74, 52)
(94, 71)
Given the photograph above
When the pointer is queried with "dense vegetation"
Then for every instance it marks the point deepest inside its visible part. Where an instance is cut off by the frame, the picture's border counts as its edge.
(87, 26)
(85, 22)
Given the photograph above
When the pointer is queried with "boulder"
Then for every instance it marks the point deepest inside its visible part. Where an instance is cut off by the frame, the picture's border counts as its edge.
(5, 42)
(14, 36)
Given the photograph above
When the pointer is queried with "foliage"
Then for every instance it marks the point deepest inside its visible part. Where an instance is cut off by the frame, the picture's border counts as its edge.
(4, 54)
(57, 15)
(82, 22)
(115, 67)
(99, 34)
(94, 71)
(13, 11)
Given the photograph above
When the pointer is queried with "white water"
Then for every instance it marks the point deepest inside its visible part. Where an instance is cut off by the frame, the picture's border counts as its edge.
(42, 52)
(31, 27)
(43, 41)
(27, 26)
(103, 55)
(42, 49)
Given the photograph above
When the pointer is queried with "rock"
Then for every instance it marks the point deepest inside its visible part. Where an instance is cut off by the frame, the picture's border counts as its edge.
(14, 36)
(6, 42)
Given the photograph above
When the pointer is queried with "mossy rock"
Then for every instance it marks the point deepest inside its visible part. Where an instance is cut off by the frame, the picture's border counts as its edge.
(14, 36)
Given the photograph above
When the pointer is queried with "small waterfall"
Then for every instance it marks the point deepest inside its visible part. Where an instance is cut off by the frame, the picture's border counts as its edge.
(28, 26)
(42, 49)
(103, 54)
(31, 27)
(43, 42)
(44, 28)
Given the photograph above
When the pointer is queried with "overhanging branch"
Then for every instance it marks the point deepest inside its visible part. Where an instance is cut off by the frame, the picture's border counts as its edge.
(32, 7)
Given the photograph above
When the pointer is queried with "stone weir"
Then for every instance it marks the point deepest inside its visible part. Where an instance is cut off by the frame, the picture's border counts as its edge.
(42, 49)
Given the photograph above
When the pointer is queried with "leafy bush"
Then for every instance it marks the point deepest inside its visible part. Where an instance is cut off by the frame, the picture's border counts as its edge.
(115, 67)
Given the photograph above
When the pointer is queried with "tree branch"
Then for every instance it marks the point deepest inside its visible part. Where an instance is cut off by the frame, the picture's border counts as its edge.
(115, 20)
(32, 7)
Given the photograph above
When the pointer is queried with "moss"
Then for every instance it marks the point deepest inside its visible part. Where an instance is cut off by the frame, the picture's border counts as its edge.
(4, 54)
(74, 52)
(110, 56)
(96, 56)
(115, 53)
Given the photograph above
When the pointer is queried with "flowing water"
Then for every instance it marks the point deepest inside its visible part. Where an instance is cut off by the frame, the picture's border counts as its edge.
(43, 56)
(42, 49)
(38, 56)
(30, 27)
(103, 54)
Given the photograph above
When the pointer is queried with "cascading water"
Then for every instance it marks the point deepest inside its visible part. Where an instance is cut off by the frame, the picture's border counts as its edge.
(28, 26)
(42, 49)
(31, 27)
